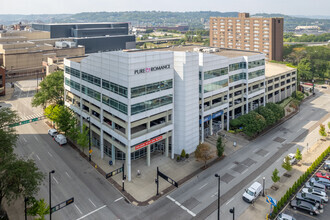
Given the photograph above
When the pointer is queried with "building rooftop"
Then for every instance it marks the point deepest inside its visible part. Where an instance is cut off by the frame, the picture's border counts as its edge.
(51, 24)
(212, 50)
(273, 69)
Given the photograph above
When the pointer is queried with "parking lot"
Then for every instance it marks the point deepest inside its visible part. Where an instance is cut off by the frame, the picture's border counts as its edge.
(304, 215)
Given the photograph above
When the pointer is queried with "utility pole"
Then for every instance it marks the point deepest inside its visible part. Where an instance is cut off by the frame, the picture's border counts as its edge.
(89, 140)
(157, 182)
(218, 176)
(124, 177)
(50, 195)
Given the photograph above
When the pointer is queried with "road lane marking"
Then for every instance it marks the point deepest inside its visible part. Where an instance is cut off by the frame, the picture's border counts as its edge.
(245, 171)
(181, 206)
(257, 177)
(255, 150)
(230, 201)
(50, 154)
(24, 139)
(90, 212)
(214, 194)
(92, 202)
(203, 186)
(118, 199)
(36, 138)
(38, 157)
(67, 174)
(55, 180)
(278, 159)
(78, 209)
(267, 154)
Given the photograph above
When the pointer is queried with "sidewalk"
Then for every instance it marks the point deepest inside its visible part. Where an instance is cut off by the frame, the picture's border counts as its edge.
(261, 207)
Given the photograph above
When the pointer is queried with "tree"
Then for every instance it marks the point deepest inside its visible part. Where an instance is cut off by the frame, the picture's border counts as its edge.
(329, 124)
(83, 138)
(322, 130)
(18, 178)
(253, 123)
(286, 164)
(267, 114)
(73, 132)
(275, 176)
(8, 137)
(304, 69)
(51, 90)
(38, 208)
(220, 147)
(298, 155)
(203, 153)
(276, 109)
(63, 117)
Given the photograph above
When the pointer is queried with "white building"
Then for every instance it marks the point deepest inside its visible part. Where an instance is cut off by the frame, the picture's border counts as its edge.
(166, 99)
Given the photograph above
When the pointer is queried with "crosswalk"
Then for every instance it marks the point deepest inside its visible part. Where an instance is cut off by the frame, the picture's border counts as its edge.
(32, 116)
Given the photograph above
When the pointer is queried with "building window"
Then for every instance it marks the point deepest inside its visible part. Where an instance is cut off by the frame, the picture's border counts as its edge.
(256, 63)
(72, 84)
(151, 104)
(257, 73)
(115, 88)
(72, 71)
(151, 88)
(236, 77)
(91, 79)
(237, 66)
(91, 93)
(215, 73)
(215, 85)
(119, 106)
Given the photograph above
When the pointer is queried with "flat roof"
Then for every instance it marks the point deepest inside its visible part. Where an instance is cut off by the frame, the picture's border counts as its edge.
(273, 69)
(192, 48)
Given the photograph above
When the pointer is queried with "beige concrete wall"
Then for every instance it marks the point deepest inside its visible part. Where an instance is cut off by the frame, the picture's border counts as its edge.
(29, 35)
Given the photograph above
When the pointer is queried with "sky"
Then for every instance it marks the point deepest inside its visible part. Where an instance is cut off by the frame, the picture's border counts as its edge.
(288, 7)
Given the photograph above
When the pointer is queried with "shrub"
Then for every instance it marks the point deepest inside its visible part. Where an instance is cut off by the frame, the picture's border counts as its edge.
(183, 153)
(220, 147)
(235, 123)
(178, 158)
(306, 94)
(275, 176)
(298, 95)
(231, 131)
(286, 164)
(187, 155)
(298, 155)
(322, 130)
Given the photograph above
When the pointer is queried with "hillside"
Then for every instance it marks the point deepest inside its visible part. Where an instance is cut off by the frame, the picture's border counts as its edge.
(156, 18)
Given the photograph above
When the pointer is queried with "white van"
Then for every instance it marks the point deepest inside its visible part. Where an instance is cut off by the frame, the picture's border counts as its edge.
(252, 193)
(60, 139)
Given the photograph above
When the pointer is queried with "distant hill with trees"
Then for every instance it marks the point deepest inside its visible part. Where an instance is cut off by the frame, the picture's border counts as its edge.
(195, 20)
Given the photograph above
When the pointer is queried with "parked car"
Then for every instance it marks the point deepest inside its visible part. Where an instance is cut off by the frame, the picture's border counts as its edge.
(52, 132)
(315, 185)
(252, 193)
(308, 197)
(292, 158)
(327, 165)
(316, 192)
(306, 206)
(284, 216)
(323, 181)
(323, 175)
(60, 139)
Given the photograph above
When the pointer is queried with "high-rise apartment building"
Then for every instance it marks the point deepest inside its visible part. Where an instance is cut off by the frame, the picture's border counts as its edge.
(248, 33)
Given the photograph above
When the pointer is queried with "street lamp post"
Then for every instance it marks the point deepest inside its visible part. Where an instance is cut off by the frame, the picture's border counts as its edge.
(218, 176)
(26, 199)
(263, 186)
(233, 212)
(50, 195)
(89, 139)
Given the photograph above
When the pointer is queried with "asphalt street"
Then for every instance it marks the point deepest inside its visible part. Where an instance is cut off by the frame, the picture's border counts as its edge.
(96, 198)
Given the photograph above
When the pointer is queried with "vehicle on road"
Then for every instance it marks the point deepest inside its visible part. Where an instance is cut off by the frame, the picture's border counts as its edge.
(60, 139)
(327, 165)
(316, 192)
(308, 197)
(52, 132)
(323, 175)
(284, 216)
(322, 181)
(292, 158)
(306, 206)
(315, 185)
(252, 193)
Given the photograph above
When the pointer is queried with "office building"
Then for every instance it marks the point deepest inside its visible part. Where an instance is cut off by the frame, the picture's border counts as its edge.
(95, 37)
(264, 35)
(167, 99)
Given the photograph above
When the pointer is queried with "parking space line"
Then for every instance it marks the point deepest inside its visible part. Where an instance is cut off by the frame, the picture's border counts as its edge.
(181, 206)
(36, 138)
(50, 154)
(78, 210)
(118, 199)
(67, 174)
(55, 180)
(92, 202)
(38, 157)
(230, 201)
(244, 171)
(214, 194)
